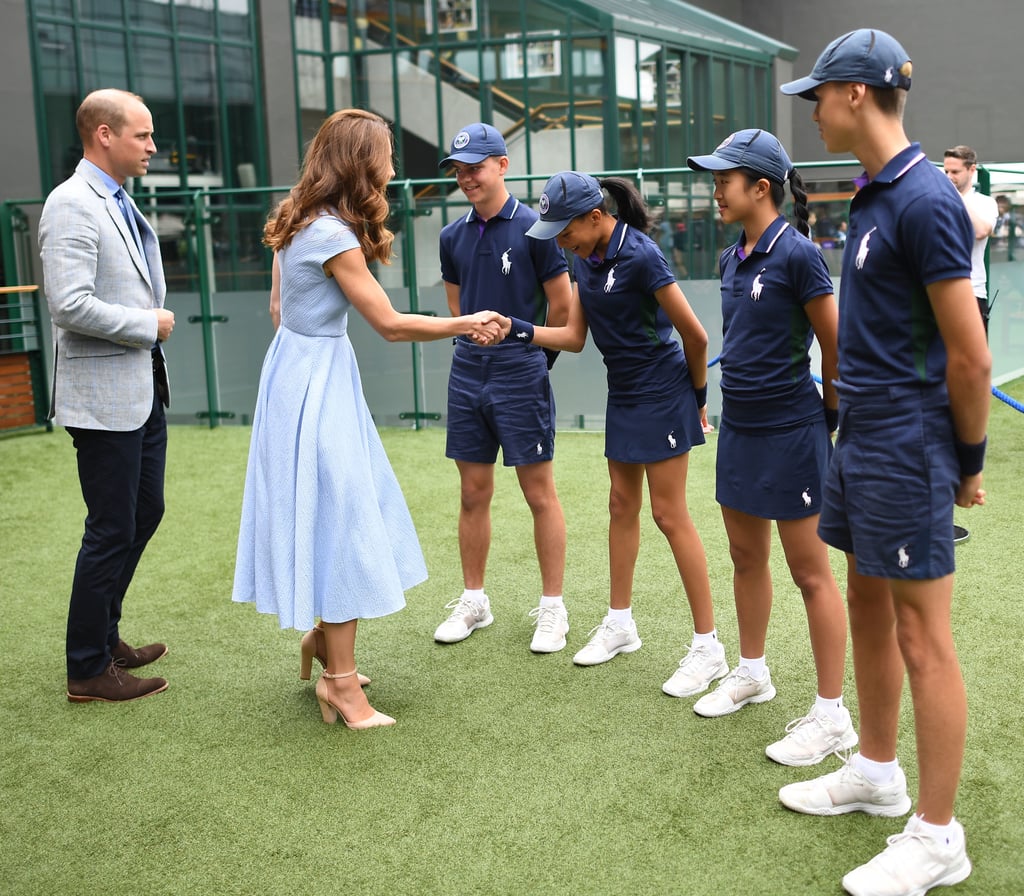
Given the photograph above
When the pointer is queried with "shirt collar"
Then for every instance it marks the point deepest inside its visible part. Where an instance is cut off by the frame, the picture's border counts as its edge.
(766, 242)
(895, 168)
(508, 210)
(110, 183)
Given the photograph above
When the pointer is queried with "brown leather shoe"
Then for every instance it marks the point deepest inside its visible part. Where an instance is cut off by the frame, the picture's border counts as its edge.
(133, 657)
(113, 686)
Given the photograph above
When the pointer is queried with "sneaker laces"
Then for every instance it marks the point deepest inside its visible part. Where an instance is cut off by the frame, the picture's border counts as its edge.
(694, 655)
(803, 728)
(462, 606)
(545, 618)
(605, 629)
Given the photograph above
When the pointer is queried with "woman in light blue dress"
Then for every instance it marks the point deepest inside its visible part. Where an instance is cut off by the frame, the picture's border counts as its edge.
(325, 531)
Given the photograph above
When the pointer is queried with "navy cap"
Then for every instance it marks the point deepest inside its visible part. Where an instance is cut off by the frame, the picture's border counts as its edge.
(566, 195)
(752, 148)
(474, 143)
(865, 56)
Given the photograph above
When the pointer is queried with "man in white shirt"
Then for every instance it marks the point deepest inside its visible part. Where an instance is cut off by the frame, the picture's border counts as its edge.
(960, 164)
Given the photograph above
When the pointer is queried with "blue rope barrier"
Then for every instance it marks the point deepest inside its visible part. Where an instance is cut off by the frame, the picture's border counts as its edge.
(998, 393)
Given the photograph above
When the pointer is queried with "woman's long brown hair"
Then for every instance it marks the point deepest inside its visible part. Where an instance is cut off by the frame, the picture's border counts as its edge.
(347, 169)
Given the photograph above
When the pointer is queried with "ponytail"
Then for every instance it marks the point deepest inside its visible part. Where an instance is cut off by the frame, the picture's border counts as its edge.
(778, 194)
(799, 191)
(630, 205)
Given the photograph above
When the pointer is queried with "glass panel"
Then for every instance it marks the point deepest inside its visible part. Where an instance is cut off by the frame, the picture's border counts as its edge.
(195, 16)
(61, 95)
(720, 118)
(100, 10)
(156, 14)
(52, 7)
(234, 19)
(103, 56)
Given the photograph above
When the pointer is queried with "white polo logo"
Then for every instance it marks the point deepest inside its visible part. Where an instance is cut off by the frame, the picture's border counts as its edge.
(862, 252)
(610, 282)
(903, 556)
(461, 140)
(806, 496)
(888, 75)
(755, 293)
(506, 262)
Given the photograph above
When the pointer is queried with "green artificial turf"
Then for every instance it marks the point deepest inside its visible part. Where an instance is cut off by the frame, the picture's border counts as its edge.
(507, 772)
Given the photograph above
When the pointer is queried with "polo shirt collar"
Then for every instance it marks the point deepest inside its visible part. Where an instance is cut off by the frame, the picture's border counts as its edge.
(508, 210)
(617, 240)
(766, 242)
(895, 168)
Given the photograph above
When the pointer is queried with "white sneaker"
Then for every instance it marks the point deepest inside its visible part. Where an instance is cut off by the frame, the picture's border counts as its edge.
(466, 617)
(847, 790)
(702, 665)
(552, 624)
(606, 641)
(734, 692)
(910, 865)
(812, 738)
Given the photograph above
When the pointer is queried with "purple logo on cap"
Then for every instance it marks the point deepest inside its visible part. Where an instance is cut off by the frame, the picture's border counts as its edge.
(544, 203)
(725, 142)
(461, 139)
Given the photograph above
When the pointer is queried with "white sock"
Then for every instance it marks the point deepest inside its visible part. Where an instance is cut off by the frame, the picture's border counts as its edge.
(878, 773)
(475, 594)
(548, 601)
(708, 638)
(951, 834)
(622, 618)
(830, 706)
(756, 667)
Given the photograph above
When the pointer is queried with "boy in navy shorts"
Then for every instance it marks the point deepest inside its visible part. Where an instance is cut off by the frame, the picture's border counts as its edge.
(500, 396)
(914, 385)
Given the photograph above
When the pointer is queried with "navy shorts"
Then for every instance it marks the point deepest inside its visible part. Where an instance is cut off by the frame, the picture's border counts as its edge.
(647, 432)
(774, 475)
(892, 483)
(500, 396)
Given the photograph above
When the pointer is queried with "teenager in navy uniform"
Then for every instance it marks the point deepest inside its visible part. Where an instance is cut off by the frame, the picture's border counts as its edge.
(657, 398)
(773, 440)
(914, 386)
(501, 395)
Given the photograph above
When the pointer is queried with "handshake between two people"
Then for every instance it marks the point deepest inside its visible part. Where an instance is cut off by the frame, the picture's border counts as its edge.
(488, 327)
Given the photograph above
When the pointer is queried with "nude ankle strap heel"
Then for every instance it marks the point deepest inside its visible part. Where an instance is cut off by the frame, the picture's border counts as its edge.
(330, 711)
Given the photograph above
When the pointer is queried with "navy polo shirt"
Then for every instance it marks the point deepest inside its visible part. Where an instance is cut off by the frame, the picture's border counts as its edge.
(631, 330)
(908, 229)
(766, 336)
(496, 266)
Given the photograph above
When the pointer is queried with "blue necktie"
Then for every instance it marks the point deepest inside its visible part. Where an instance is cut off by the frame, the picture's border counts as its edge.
(129, 217)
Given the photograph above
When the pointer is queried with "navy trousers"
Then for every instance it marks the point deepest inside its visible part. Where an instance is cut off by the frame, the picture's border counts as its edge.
(122, 479)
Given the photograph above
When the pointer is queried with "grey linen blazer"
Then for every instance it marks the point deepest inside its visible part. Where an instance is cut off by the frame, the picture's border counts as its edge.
(101, 295)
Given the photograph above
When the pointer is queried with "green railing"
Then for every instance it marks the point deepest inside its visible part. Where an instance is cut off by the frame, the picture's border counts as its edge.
(218, 276)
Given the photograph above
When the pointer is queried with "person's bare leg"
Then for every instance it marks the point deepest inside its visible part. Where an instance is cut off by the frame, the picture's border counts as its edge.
(624, 502)
(924, 630)
(809, 565)
(667, 483)
(538, 484)
(749, 549)
(877, 662)
(345, 693)
(477, 489)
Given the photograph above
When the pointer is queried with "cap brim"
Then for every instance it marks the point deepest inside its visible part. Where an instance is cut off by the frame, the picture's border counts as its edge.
(469, 158)
(710, 163)
(547, 230)
(804, 87)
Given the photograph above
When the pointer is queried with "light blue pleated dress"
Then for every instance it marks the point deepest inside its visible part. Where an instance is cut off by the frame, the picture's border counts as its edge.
(325, 530)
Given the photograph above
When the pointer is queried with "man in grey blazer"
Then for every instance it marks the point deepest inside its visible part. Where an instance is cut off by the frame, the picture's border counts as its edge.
(105, 288)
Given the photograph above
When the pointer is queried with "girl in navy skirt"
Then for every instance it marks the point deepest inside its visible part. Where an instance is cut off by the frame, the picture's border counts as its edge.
(774, 439)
